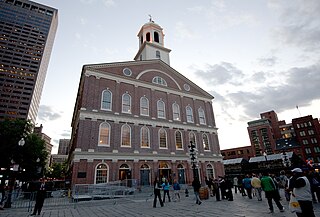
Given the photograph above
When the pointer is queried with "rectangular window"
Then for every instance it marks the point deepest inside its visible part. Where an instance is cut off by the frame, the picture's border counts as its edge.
(302, 133)
(310, 132)
(307, 150)
(305, 142)
(314, 141)
(317, 149)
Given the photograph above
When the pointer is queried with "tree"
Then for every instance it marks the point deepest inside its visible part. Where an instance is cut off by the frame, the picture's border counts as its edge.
(58, 170)
(11, 131)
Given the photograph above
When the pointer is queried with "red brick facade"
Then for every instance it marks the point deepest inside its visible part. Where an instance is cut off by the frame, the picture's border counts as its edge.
(136, 161)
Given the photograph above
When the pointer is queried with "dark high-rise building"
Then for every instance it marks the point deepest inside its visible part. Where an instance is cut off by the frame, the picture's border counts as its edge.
(63, 146)
(27, 31)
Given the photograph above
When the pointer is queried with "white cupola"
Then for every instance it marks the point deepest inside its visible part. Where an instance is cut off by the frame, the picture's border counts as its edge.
(151, 43)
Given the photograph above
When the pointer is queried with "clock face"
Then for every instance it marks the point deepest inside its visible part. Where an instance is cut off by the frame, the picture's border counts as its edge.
(127, 72)
(186, 87)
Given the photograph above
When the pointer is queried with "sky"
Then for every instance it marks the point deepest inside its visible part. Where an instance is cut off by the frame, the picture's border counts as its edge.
(252, 56)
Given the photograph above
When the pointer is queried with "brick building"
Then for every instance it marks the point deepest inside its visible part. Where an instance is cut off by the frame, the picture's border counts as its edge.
(245, 152)
(134, 120)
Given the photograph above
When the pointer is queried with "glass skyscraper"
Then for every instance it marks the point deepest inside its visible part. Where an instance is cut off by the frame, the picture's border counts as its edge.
(27, 31)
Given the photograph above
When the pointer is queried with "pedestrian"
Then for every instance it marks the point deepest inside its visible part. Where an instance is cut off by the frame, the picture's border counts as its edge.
(256, 184)
(247, 185)
(271, 192)
(216, 187)
(41, 195)
(222, 184)
(3, 195)
(235, 184)
(166, 187)
(176, 189)
(156, 190)
(196, 188)
(229, 186)
(302, 192)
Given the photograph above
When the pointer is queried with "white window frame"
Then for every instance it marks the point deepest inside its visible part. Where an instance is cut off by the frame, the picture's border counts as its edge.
(181, 138)
(165, 132)
(122, 135)
(141, 136)
(202, 116)
(195, 138)
(189, 114)
(109, 131)
(96, 170)
(203, 142)
(144, 107)
(176, 112)
(126, 106)
(102, 100)
(159, 111)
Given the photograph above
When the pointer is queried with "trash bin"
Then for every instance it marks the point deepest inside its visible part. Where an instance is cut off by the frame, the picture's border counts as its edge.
(204, 193)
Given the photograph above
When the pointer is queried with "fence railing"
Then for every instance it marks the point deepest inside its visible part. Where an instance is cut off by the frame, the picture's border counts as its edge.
(108, 190)
(80, 192)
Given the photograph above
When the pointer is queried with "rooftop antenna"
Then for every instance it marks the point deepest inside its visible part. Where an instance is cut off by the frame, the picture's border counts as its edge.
(298, 110)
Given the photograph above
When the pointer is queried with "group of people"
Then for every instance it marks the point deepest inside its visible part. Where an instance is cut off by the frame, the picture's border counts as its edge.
(165, 186)
(295, 183)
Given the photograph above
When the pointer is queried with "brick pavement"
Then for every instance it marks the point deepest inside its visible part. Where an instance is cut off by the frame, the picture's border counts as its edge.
(141, 205)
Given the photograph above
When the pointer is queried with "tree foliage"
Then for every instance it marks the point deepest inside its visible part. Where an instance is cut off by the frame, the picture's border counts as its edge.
(11, 131)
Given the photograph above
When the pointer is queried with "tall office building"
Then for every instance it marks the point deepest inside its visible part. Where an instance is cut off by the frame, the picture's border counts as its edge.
(27, 31)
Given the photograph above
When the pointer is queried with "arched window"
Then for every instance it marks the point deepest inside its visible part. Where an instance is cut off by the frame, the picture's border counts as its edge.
(141, 39)
(162, 138)
(126, 136)
(161, 109)
(126, 103)
(148, 36)
(178, 140)
(145, 137)
(158, 54)
(144, 106)
(156, 36)
(192, 138)
(189, 113)
(205, 142)
(210, 171)
(101, 173)
(159, 80)
(202, 117)
(104, 134)
(176, 112)
(106, 100)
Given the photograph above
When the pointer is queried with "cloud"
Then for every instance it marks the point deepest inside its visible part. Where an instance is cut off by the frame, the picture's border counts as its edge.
(300, 24)
(260, 92)
(183, 32)
(220, 74)
(66, 134)
(47, 113)
(300, 88)
(268, 61)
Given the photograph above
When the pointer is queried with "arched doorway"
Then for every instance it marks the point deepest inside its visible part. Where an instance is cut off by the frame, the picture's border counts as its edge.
(145, 174)
(181, 174)
(124, 172)
(164, 171)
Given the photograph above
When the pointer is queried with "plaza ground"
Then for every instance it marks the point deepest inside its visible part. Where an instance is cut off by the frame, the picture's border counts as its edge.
(140, 204)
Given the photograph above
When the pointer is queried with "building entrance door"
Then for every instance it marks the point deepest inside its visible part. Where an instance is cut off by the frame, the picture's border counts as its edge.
(145, 175)
(124, 172)
(181, 175)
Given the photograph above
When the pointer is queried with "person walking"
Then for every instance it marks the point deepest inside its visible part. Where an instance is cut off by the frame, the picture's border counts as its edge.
(156, 191)
(166, 187)
(247, 185)
(256, 184)
(271, 192)
(235, 184)
(302, 192)
(196, 188)
(176, 189)
(41, 195)
(216, 187)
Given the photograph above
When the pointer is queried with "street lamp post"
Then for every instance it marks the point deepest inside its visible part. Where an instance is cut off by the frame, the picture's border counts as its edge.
(12, 179)
(193, 157)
